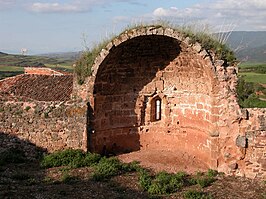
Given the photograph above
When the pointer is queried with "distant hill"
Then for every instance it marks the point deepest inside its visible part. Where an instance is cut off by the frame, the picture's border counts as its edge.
(26, 60)
(67, 56)
(248, 45)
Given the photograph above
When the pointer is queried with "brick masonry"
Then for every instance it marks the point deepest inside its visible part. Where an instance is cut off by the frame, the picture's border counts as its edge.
(49, 125)
(199, 110)
(200, 113)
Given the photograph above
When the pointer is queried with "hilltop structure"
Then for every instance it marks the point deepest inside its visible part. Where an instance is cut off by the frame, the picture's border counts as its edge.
(152, 88)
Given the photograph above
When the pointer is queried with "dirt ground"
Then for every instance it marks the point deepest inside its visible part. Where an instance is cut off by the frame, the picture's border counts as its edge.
(170, 161)
(28, 180)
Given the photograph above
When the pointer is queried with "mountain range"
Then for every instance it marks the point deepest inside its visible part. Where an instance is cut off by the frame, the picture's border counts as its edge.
(249, 46)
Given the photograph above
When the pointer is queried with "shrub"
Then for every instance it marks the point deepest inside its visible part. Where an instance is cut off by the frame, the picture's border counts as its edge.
(91, 159)
(246, 94)
(145, 179)
(193, 194)
(162, 183)
(106, 168)
(212, 173)
(205, 181)
(69, 157)
(132, 166)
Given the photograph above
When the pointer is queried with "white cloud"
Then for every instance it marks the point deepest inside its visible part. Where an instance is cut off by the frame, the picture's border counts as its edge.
(7, 3)
(246, 13)
(53, 7)
(175, 12)
(72, 6)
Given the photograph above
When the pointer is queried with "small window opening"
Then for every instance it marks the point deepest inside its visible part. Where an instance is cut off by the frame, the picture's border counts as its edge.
(156, 109)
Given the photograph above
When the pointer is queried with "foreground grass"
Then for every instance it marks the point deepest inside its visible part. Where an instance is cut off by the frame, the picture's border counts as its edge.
(64, 174)
(105, 168)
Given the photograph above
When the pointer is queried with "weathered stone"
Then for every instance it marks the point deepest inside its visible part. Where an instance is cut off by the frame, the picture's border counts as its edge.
(149, 90)
(241, 141)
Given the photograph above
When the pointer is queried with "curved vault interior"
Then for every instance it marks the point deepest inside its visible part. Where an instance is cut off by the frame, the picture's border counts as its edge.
(132, 77)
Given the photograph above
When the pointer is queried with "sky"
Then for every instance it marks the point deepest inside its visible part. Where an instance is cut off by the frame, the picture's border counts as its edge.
(71, 25)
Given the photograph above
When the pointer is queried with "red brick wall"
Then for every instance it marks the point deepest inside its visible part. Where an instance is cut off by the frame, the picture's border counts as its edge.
(150, 67)
(200, 113)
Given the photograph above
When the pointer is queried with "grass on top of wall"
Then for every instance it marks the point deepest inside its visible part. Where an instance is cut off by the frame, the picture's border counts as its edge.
(207, 40)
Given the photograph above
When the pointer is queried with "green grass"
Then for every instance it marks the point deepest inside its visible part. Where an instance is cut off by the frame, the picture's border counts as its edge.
(11, 68)
(105, 168)
(70, 157)
(206, 39)
(251, 64)
(167, 183)
(254, 77)
(193, 194)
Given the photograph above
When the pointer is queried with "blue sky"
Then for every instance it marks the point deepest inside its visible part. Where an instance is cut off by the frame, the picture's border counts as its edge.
(63, 25)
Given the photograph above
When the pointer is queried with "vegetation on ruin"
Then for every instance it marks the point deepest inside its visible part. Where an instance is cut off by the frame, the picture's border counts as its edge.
(102, 177)
(251, 88)
(207, 40)
(84, 64)
(106, 168)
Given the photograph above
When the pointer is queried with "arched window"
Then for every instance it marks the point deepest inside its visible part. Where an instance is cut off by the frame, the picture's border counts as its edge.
(156, 109)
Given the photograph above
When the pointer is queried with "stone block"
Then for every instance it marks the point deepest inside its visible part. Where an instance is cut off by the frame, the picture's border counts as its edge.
(241, 141)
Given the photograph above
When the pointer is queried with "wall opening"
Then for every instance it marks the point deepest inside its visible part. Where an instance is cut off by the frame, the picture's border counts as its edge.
(119, 107)
(128, 106)
(156, 109)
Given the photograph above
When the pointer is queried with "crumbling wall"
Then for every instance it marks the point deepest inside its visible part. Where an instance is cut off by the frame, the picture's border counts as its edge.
(48, 125)
(254, 143)
(147, 64)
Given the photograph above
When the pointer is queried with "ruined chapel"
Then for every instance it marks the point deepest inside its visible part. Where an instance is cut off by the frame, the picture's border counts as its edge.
(150, 88)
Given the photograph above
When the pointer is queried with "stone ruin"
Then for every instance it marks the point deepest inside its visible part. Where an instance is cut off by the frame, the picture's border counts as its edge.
(152, 88)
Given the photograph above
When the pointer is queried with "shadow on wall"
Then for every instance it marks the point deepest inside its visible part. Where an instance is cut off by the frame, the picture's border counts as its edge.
(124, 73)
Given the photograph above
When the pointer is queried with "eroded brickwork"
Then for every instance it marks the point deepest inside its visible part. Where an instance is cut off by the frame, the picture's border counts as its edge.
(150, 88)
(49, 125)
(199, 110)
(254, 126)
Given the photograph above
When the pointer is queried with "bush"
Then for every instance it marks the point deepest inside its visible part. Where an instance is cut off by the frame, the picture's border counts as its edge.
(73, 158)
(192, 194)
(246, 94)
(69, 157)
(132, 166)
(212, 173)
(106, 168)
(12, 155)
(162, 183)
(91, 159)
(145, 179)
(203, 179)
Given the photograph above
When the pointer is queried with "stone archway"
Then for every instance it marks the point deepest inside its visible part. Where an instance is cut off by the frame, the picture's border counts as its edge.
(140, 65)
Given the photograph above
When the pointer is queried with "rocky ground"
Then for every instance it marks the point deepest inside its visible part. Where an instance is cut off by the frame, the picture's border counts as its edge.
(28, 180)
